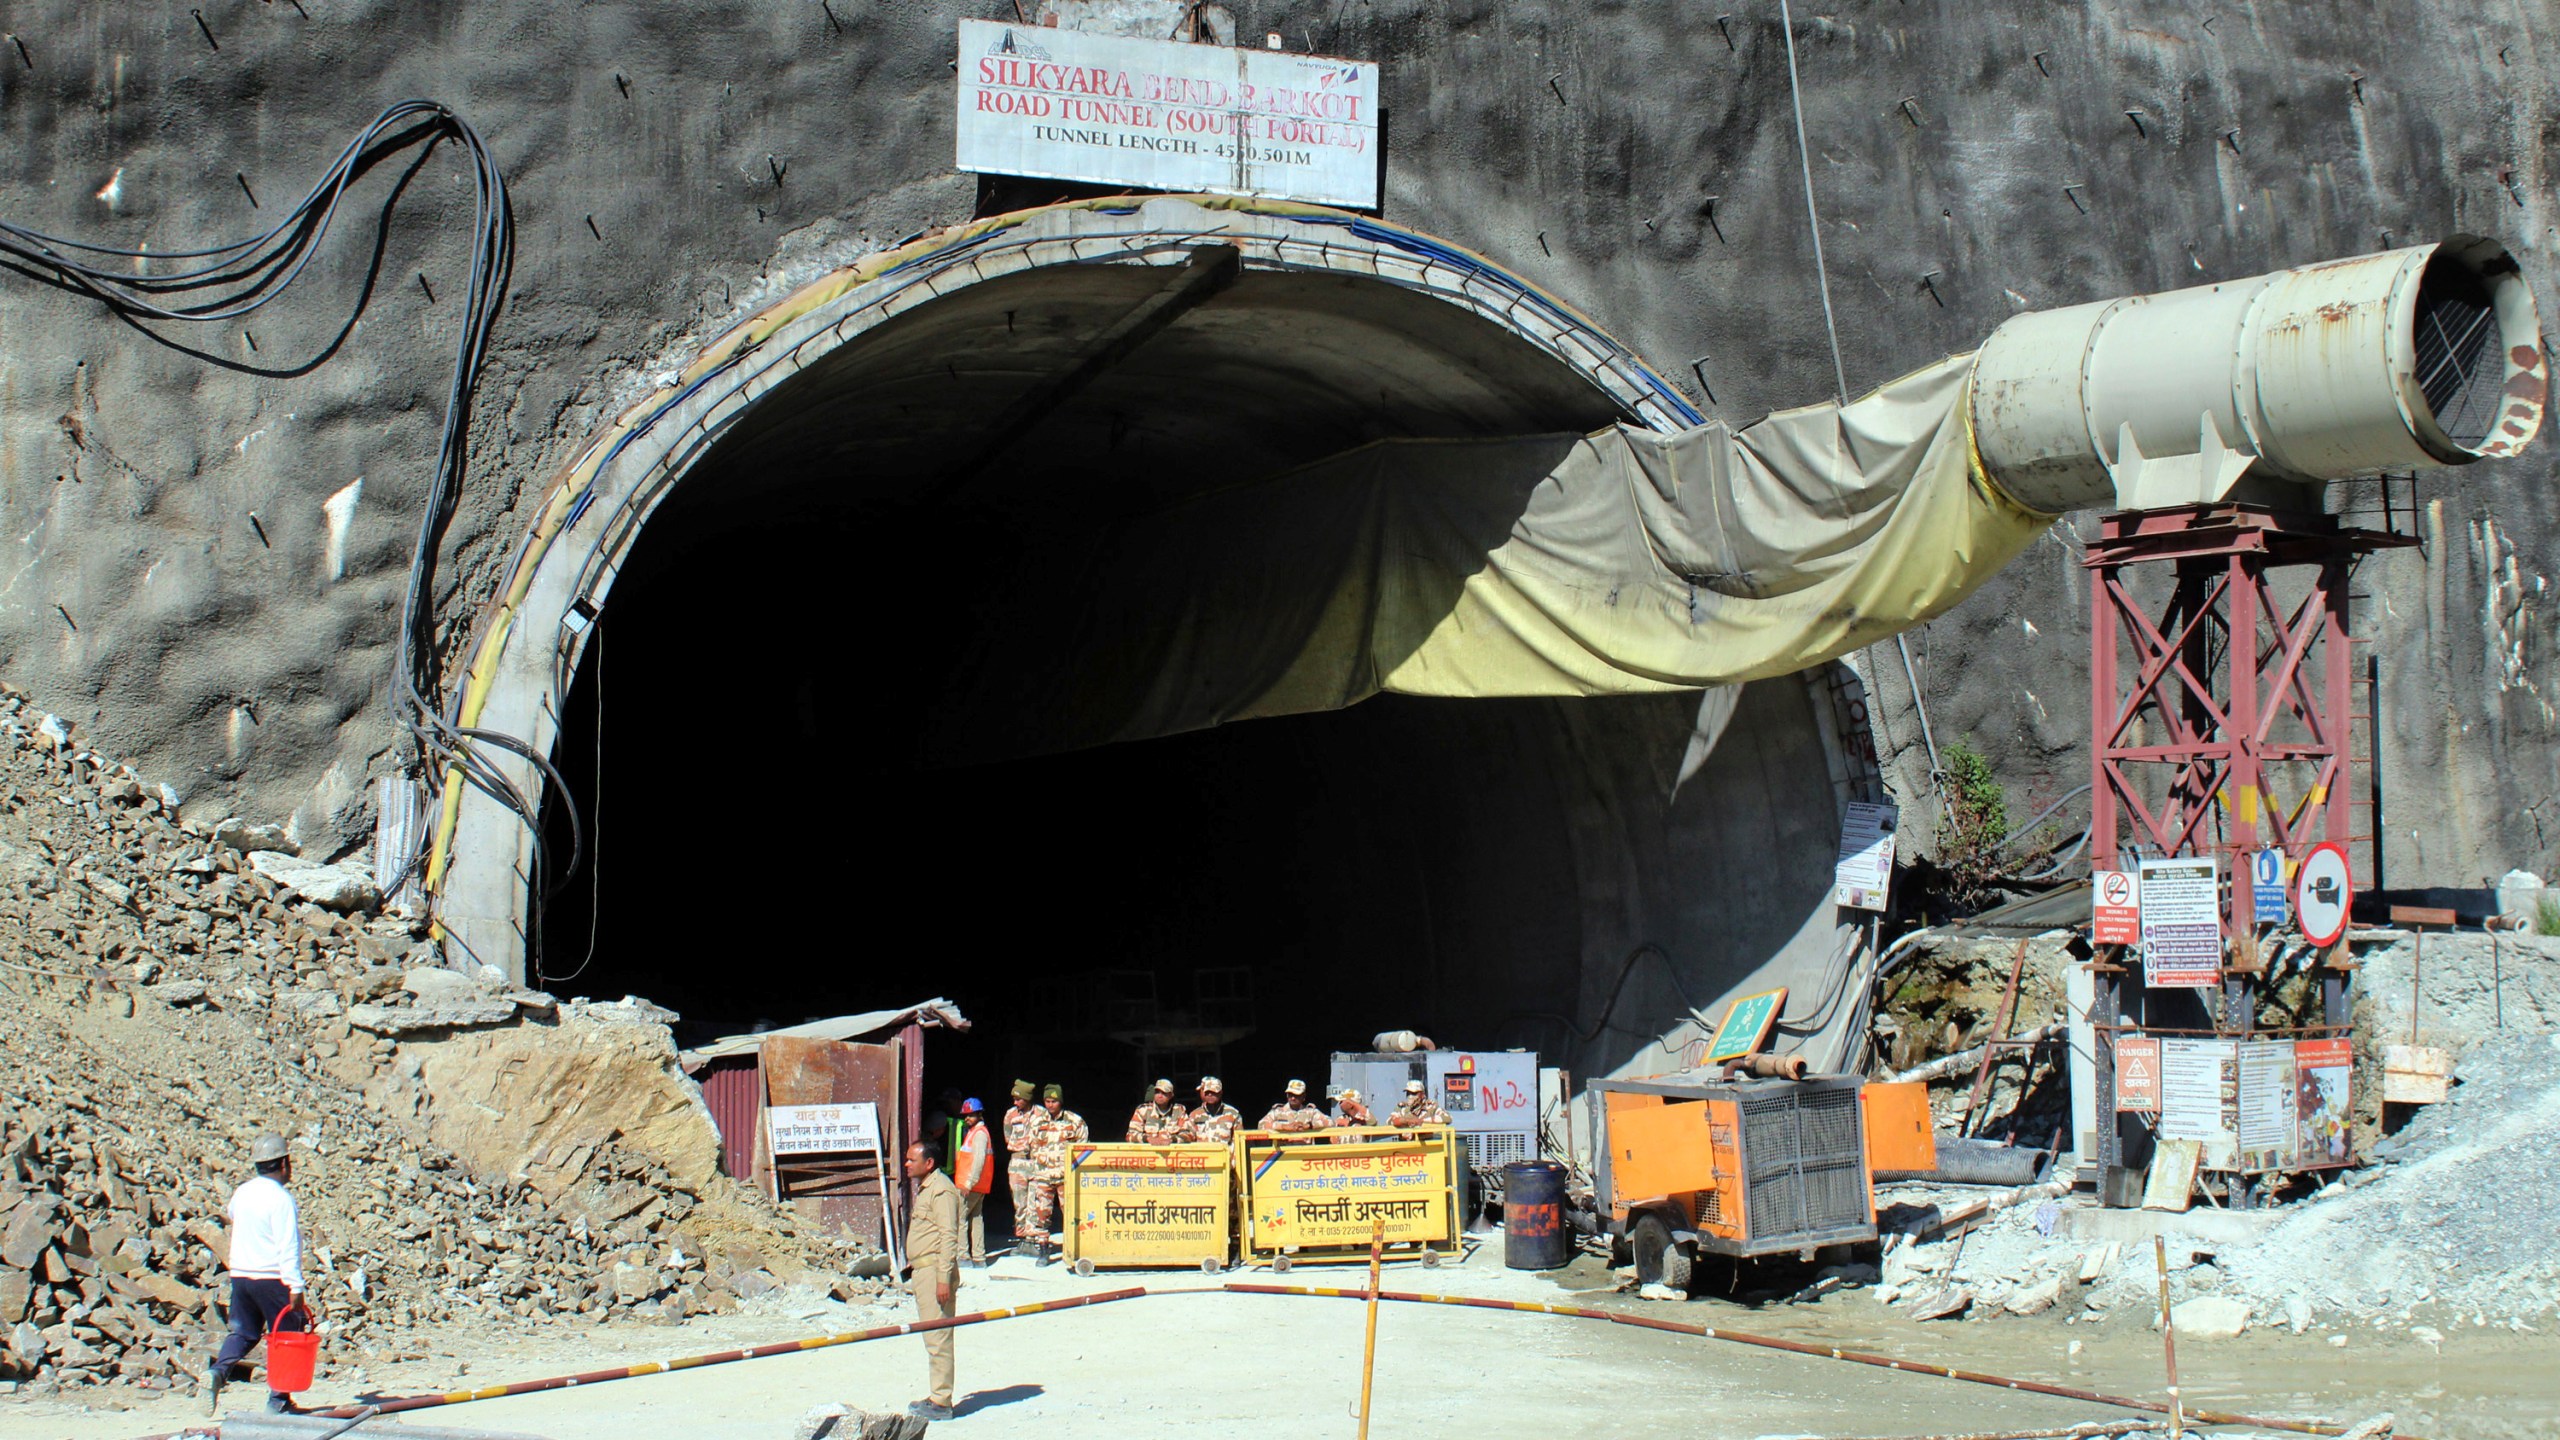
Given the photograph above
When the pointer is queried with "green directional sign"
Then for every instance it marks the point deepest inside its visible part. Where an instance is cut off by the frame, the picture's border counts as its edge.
(1746, 1025)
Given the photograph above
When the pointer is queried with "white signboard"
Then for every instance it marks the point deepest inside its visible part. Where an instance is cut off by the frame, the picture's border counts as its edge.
(1863, 874)
(2181, 923)
(2268, 1127)
(1164, 115)
(2200, 1097)
(824, 1129)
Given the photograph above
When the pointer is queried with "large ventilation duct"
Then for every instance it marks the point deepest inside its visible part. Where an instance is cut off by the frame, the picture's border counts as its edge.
(2403, 360)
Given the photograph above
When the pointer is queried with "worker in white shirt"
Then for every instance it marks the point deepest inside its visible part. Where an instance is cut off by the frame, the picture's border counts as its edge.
(266, 1266)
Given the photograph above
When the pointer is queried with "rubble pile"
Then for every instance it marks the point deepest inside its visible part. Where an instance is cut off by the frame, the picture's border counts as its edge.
(2449, 1226)
(2453, 1219)
(167, 995)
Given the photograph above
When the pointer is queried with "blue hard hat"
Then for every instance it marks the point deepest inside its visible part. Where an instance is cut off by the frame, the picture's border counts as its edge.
(972, 1107)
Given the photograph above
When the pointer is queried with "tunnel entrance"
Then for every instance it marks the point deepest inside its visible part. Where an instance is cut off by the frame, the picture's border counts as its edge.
(824, 784)
(867, 694)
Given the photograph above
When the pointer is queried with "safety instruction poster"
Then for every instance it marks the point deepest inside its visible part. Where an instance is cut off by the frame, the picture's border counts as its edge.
(2266, 1105)
(1322, 1194)
(2181, 925)
(2321, 1070)
(2200, 1097)
(1147, 1205)
(1862, 873)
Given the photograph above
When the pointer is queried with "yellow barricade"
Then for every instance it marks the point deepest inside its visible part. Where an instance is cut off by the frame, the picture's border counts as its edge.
(1320, 1197)
(1149, 1206)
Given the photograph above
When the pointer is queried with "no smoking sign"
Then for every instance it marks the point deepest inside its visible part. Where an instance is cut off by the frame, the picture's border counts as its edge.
(2116, 909)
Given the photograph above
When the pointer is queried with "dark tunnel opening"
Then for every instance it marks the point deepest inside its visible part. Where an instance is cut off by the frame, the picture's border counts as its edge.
(1240, 900)
(818, 780)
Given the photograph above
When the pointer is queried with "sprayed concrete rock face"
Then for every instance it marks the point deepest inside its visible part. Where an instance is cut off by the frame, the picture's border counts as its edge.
(204, 562)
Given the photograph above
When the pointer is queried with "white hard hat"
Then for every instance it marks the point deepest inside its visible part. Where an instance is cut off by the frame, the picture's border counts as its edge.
(267, 1149)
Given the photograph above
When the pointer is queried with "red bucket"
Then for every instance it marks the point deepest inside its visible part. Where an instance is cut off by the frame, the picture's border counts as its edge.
(292, 1357)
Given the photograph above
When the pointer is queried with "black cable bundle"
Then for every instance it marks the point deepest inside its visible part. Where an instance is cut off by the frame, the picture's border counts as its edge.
(234, 280)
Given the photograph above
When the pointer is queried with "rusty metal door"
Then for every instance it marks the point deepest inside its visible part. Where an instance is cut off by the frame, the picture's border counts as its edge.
(734, 1090)
(845, 1194)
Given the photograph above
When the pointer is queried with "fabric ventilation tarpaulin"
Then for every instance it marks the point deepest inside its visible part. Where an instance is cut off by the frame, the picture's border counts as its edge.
(1619, 562)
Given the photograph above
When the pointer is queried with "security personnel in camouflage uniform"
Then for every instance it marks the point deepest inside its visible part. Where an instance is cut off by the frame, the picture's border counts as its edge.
(1215, 1122)
(1294, 1115)
(1160, 1121)
(1018, 1168)
(1418, 1108)
(1055, 1130)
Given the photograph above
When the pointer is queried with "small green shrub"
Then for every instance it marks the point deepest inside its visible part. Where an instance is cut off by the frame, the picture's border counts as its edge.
(2546, 916)
(1973, 823)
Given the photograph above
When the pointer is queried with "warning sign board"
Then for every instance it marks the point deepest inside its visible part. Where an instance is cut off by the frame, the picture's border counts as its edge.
(2137, 1075)
(2321, 1072)
(1862, 875)
(2115, 908)
(2323, 894)
(2181, 924)
(824, 1129)
(2266, 886)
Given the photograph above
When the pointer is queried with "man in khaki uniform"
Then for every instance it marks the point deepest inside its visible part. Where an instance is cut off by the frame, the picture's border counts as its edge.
(1160, 1121)
(1294, 1115)
(1018, 1168)
(1215, 1122)
(933, 1250)
(1417, 1109)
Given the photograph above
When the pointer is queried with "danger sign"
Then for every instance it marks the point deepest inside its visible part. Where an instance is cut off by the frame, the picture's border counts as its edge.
(2116, 909)
(2137, 1074)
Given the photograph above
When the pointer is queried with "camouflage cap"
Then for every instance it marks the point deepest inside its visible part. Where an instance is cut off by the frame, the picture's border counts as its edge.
(1164, 1087)
(1349, 1097)
(1413, 1087)
(1297, 1087)
(1212, 1082)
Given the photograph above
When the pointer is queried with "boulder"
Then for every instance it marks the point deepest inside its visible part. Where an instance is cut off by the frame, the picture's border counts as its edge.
(238, 834)
(633, 1283)
(32, 1227)
(178, 992)
(425, 1019)
(345, 886)
(2035, 1299)
(535, 1100)
(435, 985)
(1948, 1301)
(2210, 1317)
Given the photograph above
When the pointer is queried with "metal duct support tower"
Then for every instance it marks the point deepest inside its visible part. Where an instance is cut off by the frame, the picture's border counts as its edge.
(2223, 718)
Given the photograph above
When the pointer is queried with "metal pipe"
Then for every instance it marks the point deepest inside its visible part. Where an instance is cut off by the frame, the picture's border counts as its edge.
(1798, 1347)
(2237, 390)
(2092, 1429)
(723, 1357)
(1919, 707)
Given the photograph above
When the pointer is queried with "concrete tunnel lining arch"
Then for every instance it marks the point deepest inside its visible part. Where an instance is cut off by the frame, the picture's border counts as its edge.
(1525, 363)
